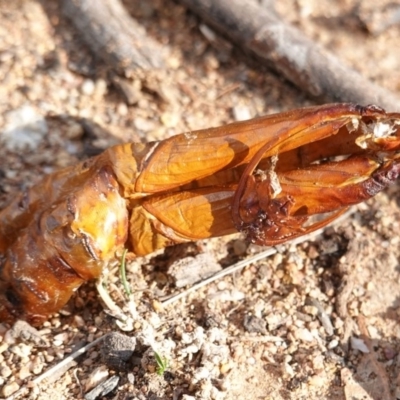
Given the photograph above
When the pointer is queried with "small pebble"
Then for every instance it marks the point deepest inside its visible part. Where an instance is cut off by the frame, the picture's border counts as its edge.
(173, 62)
(151, 368)
(312, 252)
(59, 354)
(332, 344)
(5, 372)
(170, 120)
(36, 366)
(277, 260)
(390, 353)
(79, 321)
(88, 87)
(144, 125)
(221, 285)
(24, 372)
(48, 357)
(241, 113)
(288, 370)
(60, 338)
(25, 129)
(148, 360)
(4, 347)
(88, 362)
(251, 361)
(122, 109)
(187, 397)
(239, 247)
(358, 344)
(101, 87)
(303, 334)
(201, 373)
(238, 351)
(225, 368)
(21, 350)
(318, 363)
(311, 310)
(131, 378)
(74, 131)
(273, 321)
(9, 388)
(317, 380)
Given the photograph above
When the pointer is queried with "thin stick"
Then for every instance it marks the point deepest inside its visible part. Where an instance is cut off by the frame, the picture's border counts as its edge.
(59, 368)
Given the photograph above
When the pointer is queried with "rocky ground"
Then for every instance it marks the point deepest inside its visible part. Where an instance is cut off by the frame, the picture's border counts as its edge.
(315, 320)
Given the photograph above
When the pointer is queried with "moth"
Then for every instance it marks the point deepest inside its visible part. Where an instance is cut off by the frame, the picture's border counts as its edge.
(268, 177)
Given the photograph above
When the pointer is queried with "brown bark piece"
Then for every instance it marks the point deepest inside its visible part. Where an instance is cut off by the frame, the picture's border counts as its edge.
(189, 270)
(113, 35)
(285, 49)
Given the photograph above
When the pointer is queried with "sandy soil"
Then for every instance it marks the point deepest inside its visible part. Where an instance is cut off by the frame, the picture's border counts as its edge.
(317, 320)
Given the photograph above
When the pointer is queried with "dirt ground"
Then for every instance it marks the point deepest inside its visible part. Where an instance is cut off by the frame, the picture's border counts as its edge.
(319, 320)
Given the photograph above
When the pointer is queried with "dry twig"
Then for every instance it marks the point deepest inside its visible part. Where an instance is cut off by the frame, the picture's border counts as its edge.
(53, 373)
(285, 49)
(113, 35)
